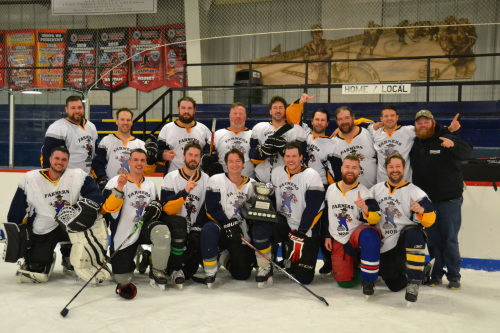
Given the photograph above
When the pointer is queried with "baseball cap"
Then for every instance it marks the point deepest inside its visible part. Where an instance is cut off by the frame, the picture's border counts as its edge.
(424, 113)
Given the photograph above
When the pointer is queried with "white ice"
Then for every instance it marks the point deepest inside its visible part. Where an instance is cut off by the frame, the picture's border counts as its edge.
(239, 306)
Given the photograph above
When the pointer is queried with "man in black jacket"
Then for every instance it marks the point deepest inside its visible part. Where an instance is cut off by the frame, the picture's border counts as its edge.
(435, 159)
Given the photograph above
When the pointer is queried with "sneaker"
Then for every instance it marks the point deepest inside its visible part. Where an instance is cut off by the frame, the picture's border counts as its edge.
(157, 278)
(144, 261)
(427, 272)
(178, 278)
(210, 280)
(264, 277)
(434, 282)
(411, 292)
(368, 288)
(454, 285)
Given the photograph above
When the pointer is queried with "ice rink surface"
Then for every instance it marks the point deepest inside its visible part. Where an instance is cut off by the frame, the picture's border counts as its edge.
(239, 306)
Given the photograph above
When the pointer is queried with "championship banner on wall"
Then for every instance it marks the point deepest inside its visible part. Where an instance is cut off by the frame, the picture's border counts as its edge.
(80, 58)
(112, 51)
(175, 55)
(20, 52)
(2, 58)
(147, 66)
(50, 47)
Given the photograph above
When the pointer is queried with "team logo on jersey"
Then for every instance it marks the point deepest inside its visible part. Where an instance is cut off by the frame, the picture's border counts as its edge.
(390, 212)
(123, 159)
(287, 198)
(238, 203)
(390, 150)
(59, 203)
(190, 209)
(90, 149)
(139, 206)
(239, 145)
(343, 218)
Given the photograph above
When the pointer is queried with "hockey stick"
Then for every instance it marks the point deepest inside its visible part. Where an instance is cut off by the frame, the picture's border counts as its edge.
(212, 143)
(322, 299)
(64, 312)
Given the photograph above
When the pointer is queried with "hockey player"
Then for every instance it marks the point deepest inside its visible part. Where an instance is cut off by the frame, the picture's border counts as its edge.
(355, 140)
(352, 238)
(130, 199)
(390, 138)
(175, 135)
(226, 194)
(73, 132)
(183, 191)
(299, 201)
(113, 152)
(269, 138)
(56, 205)
(406, 210)
(235, 136)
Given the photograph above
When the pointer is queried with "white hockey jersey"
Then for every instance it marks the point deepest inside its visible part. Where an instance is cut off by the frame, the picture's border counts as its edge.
(261, 132)
(175, 136)
(79, 140)
(225, 140)
(319, 150)
(399, 142)
(136, 198)
(118, 153)
(361, 146)
(395, 207)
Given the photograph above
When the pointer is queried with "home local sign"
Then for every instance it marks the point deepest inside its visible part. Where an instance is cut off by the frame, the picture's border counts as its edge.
(364, 89)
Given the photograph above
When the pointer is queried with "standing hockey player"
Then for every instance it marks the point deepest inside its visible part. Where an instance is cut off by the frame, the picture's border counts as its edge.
(352, 212)
(113, 152)
(299, 201)
(175, 135)
(130, 199)
(73, 132)
(406, 210)
(55, 205)
(183, 192)
(355, 140)
(226, 194)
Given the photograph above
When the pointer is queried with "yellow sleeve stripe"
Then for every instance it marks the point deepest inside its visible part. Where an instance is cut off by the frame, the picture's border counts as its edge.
(373, 217)
(316, 219)
(174, 206)
(210, 217)
(256, 162)
(427, 219)
(112, 204)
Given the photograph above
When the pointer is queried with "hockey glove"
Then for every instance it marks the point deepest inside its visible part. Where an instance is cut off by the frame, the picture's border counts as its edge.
(79, 217)
(278, 144)
(297, 243)
(231, 229)
(127, 291)
(101, 182)
(210, 164)
(151, 150)
(153, 211)
(267, 150)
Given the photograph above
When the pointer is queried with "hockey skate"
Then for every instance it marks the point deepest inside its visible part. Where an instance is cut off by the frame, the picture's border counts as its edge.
(264, 277)
(35, 273)
(210, 280)
(68, 269)
(412, 291)
(157, 278)
(326, 270)
(368, 289)
(142, 260)
(178, 279)
(428, 272)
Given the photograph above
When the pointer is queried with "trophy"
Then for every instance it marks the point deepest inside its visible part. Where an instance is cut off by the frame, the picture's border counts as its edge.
(260, 207)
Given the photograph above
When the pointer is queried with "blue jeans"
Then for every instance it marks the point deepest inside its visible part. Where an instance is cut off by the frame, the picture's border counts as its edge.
(443, 239)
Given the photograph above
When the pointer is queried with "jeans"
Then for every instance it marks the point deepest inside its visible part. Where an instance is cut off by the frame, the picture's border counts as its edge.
(443, 239)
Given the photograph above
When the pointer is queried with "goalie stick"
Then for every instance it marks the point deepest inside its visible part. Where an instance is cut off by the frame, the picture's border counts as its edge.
(275, 265)
(64, 312)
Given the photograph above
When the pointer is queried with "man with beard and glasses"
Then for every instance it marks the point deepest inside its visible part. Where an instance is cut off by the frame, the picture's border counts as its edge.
(349, 229)
(183, 193)
(436, 161)
(406, 210)
(175, 135)
(355, 140)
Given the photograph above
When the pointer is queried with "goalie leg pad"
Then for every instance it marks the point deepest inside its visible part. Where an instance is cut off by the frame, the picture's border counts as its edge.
(19, 238)
(24, 275)
(89, 253)
(160, 248)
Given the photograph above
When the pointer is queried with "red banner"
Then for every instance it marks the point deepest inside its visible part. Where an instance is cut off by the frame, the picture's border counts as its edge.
(175, 55)
(112, 54)
(2, 58)
(80, 58)
(147, 67)
(20, 52)
(50, 46)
